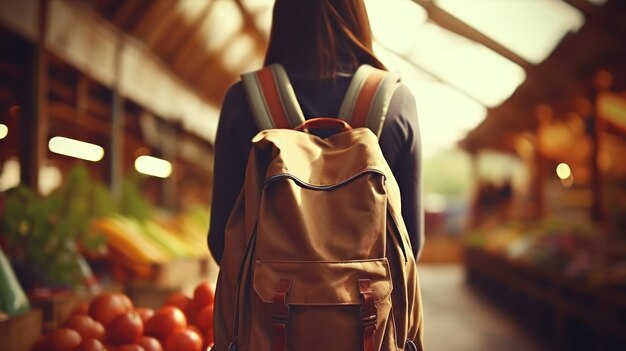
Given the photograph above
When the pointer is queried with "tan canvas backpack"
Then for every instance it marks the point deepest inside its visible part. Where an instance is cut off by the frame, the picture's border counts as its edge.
(317, 256)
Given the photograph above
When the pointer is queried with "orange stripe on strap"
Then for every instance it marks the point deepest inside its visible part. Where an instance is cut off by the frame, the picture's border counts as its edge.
(364, 100)
(272, 98)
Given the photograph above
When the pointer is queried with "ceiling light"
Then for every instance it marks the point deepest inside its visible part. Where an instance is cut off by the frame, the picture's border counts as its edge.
(563, 171)
(153, 166)
(4, 131)
(76, 148)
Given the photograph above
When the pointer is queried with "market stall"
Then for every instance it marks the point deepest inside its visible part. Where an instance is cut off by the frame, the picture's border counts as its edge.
(547, 240)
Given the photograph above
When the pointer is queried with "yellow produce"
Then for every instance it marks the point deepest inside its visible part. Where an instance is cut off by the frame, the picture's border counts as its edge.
(127, 238)
(169, 241)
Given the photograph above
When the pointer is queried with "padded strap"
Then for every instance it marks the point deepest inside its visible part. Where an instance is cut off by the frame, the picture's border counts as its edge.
(274, 104)
(367, 99)
(272, 98)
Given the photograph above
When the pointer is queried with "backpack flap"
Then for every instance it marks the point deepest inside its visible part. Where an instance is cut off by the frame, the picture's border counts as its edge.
(322, 283)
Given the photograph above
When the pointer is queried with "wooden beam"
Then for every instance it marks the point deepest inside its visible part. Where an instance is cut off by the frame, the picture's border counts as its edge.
(82, 93)
(62, 90)
(124, 12)
(182, 42)
(154, 20)
(455, 25)
(166, 25)
(250, 23)
(83, 120)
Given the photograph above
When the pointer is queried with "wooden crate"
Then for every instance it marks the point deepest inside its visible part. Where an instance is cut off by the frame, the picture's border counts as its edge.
(20, 332)
(55, 309)
(565, 313)
(176, 276)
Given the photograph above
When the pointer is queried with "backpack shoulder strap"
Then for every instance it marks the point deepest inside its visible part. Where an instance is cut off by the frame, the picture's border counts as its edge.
(272, 98)
(367, 99)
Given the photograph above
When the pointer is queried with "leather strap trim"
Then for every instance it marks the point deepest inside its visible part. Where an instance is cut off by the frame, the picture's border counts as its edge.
(349, 100)
(368, 97)
(280, 315)
(256, 100)
(380, 103)
(368, 314)
(272, 99)
(365, 98)
(294, 113)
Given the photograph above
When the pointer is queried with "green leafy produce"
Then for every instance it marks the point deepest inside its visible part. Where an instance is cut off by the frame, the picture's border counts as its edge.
(42, 232)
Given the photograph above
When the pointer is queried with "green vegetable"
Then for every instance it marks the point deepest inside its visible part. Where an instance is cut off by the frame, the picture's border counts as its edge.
(13, 301)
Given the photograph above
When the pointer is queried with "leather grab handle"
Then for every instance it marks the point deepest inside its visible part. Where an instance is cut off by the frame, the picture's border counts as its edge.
(325, 123)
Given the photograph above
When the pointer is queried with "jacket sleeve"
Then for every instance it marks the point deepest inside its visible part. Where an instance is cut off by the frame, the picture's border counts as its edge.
(401, 144)
(232, 145)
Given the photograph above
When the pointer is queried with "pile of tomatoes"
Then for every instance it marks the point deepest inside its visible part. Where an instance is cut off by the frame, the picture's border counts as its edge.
(110, 322)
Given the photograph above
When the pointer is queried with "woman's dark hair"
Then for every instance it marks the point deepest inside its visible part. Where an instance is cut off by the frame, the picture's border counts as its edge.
(321, 36)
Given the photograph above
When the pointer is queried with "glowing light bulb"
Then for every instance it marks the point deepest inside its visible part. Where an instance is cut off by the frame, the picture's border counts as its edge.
(563, 171)
(76, 148)
(4, 131)
(153, 166)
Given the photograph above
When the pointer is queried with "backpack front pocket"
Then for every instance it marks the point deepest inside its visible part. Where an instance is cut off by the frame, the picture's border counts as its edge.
(325, 302)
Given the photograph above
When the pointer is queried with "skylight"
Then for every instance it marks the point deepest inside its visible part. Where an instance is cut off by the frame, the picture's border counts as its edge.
(394, 22)
(445, 114)
(466, 65)
(223, 23)
(530, 28)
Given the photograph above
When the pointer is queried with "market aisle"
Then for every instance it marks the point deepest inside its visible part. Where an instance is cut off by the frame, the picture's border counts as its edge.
(458, 319)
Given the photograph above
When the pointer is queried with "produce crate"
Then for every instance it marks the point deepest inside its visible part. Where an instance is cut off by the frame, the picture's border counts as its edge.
(20, 332)
(176, 276)
(565, 313)
(56, 308)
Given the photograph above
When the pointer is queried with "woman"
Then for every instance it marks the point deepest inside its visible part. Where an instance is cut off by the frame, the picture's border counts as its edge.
(320, 44)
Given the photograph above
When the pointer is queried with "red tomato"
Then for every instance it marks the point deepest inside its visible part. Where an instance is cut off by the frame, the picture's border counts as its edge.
(90, 345)
(203, 295)
(150, 344)
(130, 347)
(62, 339)
(144, 313)
(125, 328)
(127, 301)
(184, 340)
(82, 308)
(194, 328)
(107, 306)
(204, 318)
(179, 300)
(87, 327)
(165, 321)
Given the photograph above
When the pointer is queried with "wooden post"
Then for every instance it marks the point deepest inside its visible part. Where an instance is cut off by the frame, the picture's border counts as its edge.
(117, 127)
(476, 214)
(602, 82)
(171, 135)
(34, 123)
(544, 115)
